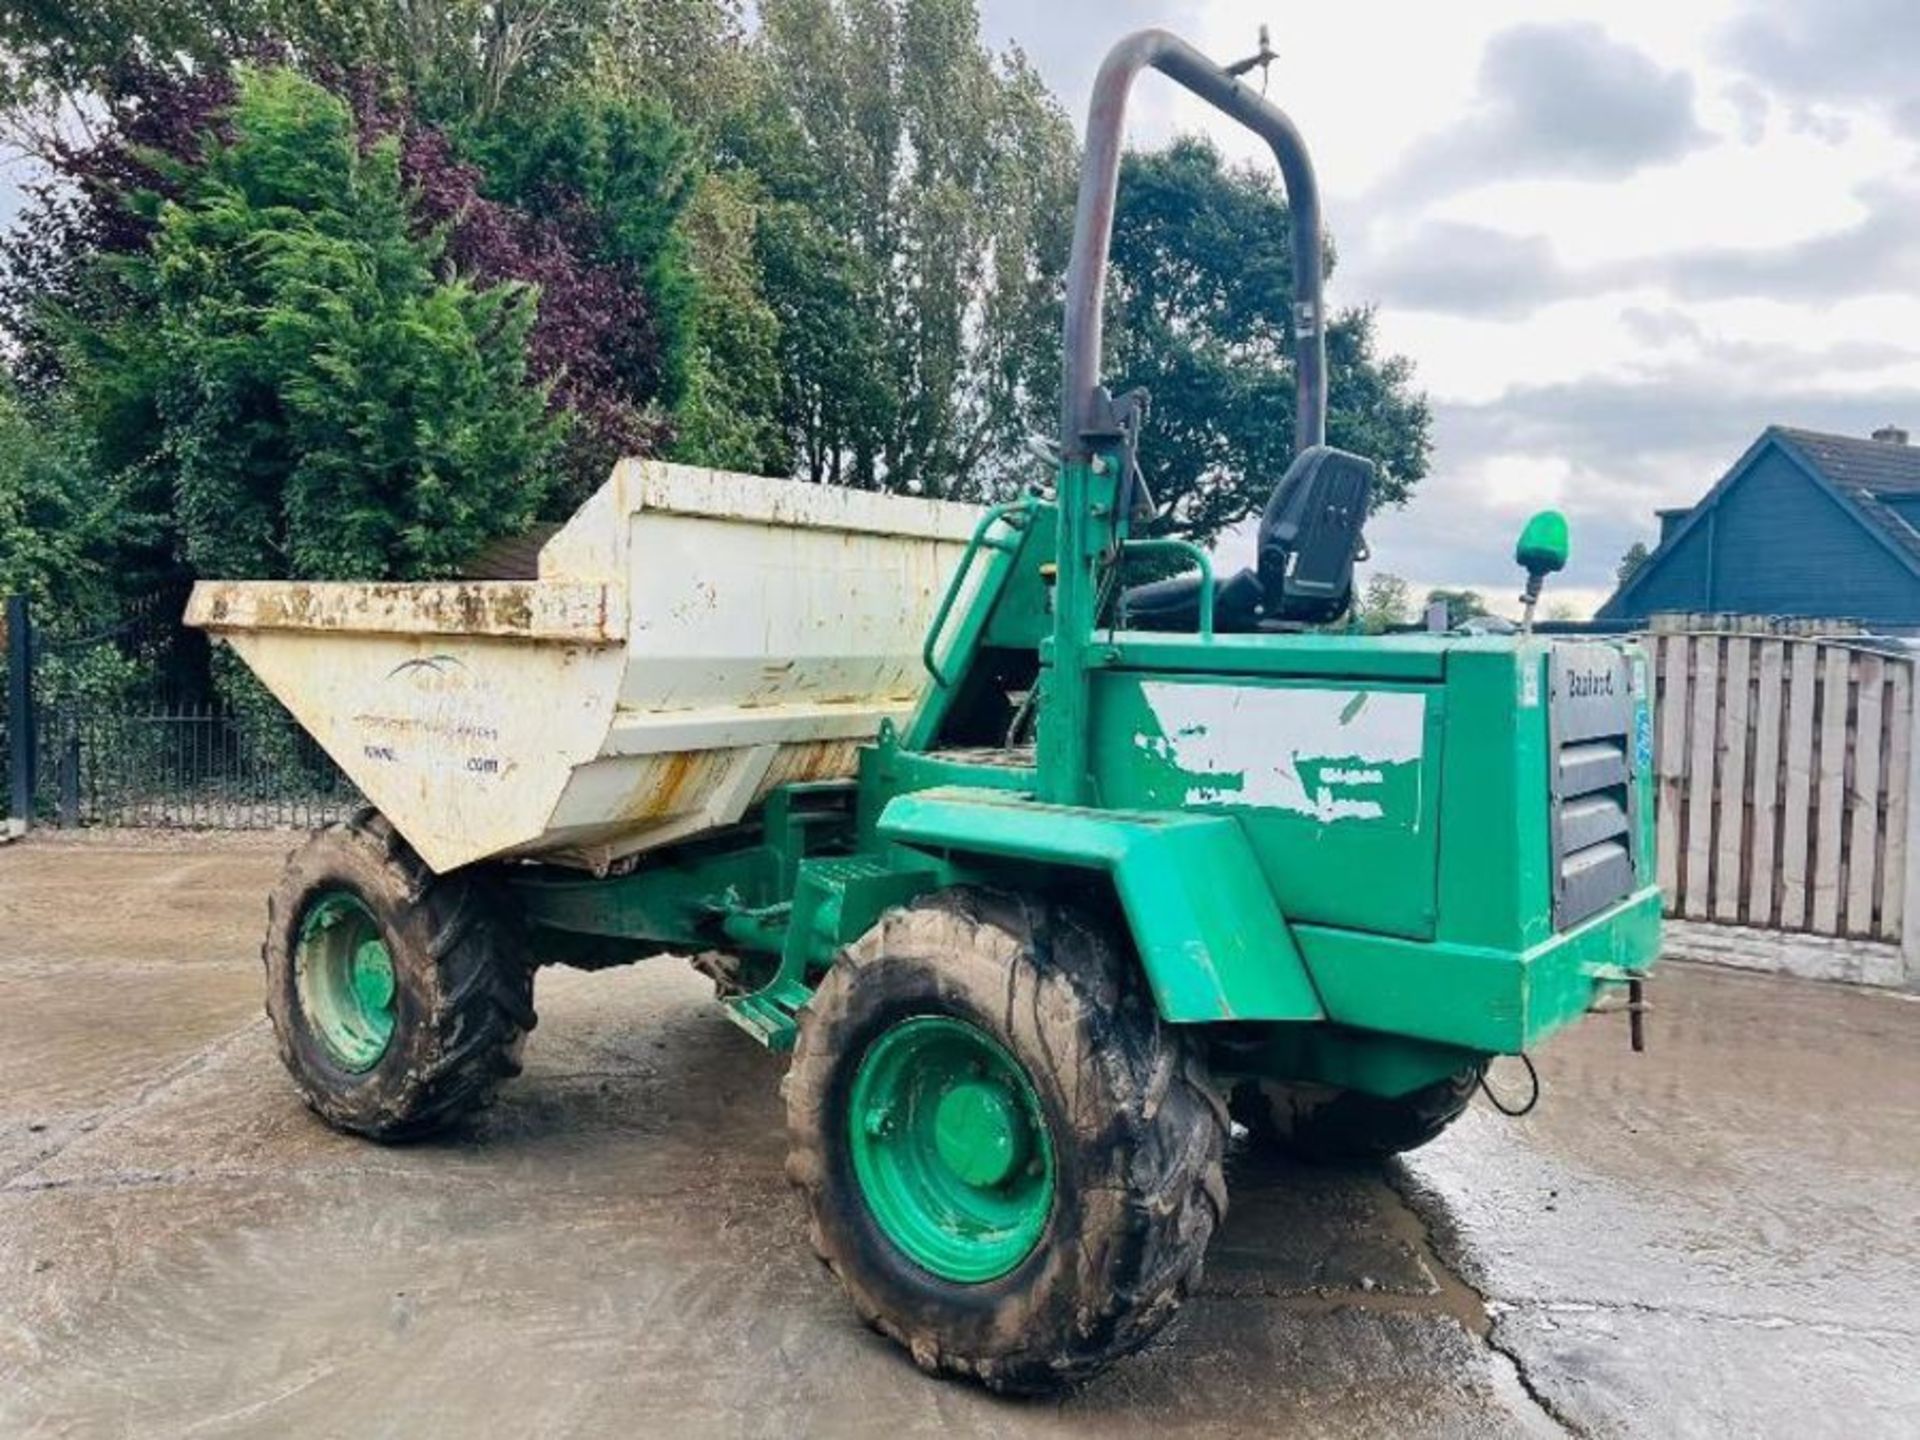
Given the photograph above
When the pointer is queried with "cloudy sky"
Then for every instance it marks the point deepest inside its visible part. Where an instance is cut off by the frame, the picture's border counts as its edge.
(1616, 238)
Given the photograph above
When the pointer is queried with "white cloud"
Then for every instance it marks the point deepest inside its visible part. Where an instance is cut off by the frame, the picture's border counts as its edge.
(1832, 53)
(1553, 100)
(1457, 267)
(1618, 237)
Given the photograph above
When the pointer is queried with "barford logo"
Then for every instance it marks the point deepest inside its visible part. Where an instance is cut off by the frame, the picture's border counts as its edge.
(1583, 685)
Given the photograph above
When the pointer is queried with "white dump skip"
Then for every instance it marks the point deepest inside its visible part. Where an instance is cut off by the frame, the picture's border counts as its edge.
(694, 639)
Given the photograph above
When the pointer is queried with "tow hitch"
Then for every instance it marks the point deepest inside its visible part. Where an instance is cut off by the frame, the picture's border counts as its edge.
(1635, 1005)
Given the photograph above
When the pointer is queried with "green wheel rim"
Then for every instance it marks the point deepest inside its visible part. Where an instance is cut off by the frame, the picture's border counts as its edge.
(344, 972)
(951, 1148)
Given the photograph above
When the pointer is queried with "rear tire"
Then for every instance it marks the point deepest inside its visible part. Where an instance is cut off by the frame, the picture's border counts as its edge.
(399, 999)
(1058, 1017)
(1322, 1125)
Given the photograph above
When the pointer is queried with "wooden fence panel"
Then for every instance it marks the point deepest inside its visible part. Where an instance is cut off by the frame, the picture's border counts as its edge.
(1863, 797)
(1675, 657)
(1733, 791)
(1763, 882)
(1834, 709)
(1799, 767)
(1783, 769)
(1893, 869)
(1702, 725)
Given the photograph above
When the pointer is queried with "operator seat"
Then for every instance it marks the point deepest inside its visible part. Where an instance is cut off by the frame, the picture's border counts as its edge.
(1309, 538)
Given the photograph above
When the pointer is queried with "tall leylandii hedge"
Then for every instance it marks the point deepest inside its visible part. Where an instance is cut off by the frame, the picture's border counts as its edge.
(323, 399)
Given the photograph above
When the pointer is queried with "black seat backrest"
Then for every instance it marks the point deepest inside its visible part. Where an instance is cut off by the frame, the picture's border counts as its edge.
(1175, 604)
(1310, 535)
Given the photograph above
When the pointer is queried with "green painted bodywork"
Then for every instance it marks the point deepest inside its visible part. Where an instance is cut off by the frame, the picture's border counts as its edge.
(1336, 849)
(1418, 658)
(1305, 856)
(789, 895)
(1213, 943)
(950, 1148)
(1492, 1000)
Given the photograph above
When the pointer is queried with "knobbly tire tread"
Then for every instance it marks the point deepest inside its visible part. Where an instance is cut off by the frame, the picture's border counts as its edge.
(464, 988)
(1127, 1092)
(1324, 1126)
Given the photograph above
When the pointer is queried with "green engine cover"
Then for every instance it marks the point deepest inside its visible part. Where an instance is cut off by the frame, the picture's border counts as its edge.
(1330, 780)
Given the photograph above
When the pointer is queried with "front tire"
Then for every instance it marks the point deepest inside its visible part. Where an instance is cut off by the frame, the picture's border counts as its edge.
(1011, 1163)
(399, 999)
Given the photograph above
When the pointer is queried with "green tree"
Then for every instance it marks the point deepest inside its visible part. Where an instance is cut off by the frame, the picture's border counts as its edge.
(56, 531)
(837, 395)
(730, 414)
(60, 536)
(465, 60)
(692, 54)
(923, 186)
(624, 171)
(849, 221)
(1200, 314)
(1636, 555)
(296, 390)
(1385, 601)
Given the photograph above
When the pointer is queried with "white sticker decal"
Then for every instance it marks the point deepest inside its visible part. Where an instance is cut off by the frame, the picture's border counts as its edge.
(1330, 754)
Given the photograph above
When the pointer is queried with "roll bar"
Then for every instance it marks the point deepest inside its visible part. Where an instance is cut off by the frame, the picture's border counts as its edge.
(1084, 409)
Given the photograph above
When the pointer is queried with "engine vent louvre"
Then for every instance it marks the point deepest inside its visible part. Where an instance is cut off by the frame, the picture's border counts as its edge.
(1593, 824)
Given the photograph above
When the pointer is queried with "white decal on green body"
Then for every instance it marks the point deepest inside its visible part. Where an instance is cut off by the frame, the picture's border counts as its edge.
(1330, 754)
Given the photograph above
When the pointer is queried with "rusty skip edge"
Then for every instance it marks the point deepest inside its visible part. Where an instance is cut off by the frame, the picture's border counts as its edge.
(531, 610)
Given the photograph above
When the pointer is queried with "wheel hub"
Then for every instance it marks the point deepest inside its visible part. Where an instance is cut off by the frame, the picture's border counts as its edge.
(373, 975)
(979, 1133)
(950, 1148)
(344, 974)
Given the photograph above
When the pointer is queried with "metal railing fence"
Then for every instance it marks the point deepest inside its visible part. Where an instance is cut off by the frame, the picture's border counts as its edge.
(123, 742)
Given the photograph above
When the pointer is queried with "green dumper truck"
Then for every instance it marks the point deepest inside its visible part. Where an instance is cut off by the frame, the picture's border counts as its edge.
(1042, 879)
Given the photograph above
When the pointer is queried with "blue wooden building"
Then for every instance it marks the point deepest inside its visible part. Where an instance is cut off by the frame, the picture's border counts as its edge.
(1804, 524)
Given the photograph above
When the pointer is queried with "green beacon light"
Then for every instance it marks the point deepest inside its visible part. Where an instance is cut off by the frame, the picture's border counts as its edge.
(1542, 551)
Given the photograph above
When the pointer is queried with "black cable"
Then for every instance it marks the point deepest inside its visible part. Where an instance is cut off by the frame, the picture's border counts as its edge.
(1494, 1099)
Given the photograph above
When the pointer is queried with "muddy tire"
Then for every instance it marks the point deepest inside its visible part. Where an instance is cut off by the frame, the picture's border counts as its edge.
(399, 999)
(1120, 1108)
(1322, 1125)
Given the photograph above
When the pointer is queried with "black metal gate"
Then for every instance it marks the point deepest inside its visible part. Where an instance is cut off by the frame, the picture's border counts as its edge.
(143, 750)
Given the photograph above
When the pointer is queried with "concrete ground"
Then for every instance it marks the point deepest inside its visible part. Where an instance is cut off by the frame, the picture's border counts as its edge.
(1721, 1237)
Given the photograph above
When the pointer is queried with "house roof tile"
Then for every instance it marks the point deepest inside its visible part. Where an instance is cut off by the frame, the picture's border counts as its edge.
(1868, 472)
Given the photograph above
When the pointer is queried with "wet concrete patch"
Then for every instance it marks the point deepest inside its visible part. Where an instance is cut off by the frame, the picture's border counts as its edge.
(1764, 1158)
(582, 1114)
(171, 900)
(72, 1043)
(1645, 1371)
(336, 1306)
(1243, 1367)
(1299, 1231)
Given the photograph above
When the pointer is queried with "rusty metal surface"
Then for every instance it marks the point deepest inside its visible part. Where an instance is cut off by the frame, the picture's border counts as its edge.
(504, 609)
(693, 639)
